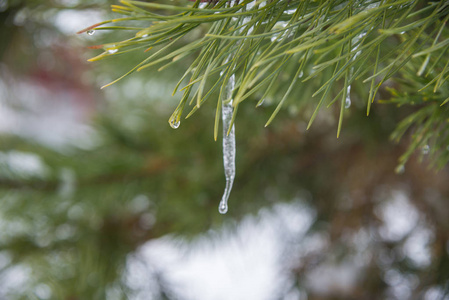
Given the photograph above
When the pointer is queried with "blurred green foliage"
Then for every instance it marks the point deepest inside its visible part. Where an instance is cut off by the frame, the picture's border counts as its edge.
(75, 220)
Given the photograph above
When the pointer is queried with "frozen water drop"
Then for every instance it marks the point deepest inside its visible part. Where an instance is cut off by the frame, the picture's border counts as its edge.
(400, 169)
(348, 102)
(175, 125)
(90, 32)
(348, 97)
(223, 207)
(112, 51)
(301, 74)
(260, 102)
(425, 149)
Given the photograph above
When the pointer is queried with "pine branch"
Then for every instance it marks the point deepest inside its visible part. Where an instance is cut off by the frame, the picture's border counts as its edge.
(334, 43)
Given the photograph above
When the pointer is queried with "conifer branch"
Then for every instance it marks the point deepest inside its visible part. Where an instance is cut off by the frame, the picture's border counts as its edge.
(334, 43)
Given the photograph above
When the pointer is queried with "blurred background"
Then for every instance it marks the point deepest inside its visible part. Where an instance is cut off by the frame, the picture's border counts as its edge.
(101, 199)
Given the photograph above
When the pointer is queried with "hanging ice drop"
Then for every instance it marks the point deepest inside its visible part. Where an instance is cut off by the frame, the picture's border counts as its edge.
(223, 207)
(348, 97)
(228, 145)
(90, 32)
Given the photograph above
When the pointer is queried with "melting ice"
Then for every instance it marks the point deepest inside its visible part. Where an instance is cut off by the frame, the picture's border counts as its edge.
(228, 145)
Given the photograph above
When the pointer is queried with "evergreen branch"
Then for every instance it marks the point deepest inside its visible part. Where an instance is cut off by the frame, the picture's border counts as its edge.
(256, 40)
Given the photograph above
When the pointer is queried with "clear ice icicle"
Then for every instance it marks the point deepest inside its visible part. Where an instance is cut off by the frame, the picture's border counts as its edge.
(228, 145)
(355, 41)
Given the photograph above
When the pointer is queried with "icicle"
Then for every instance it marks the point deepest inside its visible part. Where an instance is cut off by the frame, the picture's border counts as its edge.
(228, 145)
(355, 41)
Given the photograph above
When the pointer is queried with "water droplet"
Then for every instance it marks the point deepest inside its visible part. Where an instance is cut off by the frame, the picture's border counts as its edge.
(261, 101)
(301, 74)
(175, 125)
(145, 35)
(90, 32)
(425, 149)
(174, 119)
(223, 207)
(400, 169)
(112, 51)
